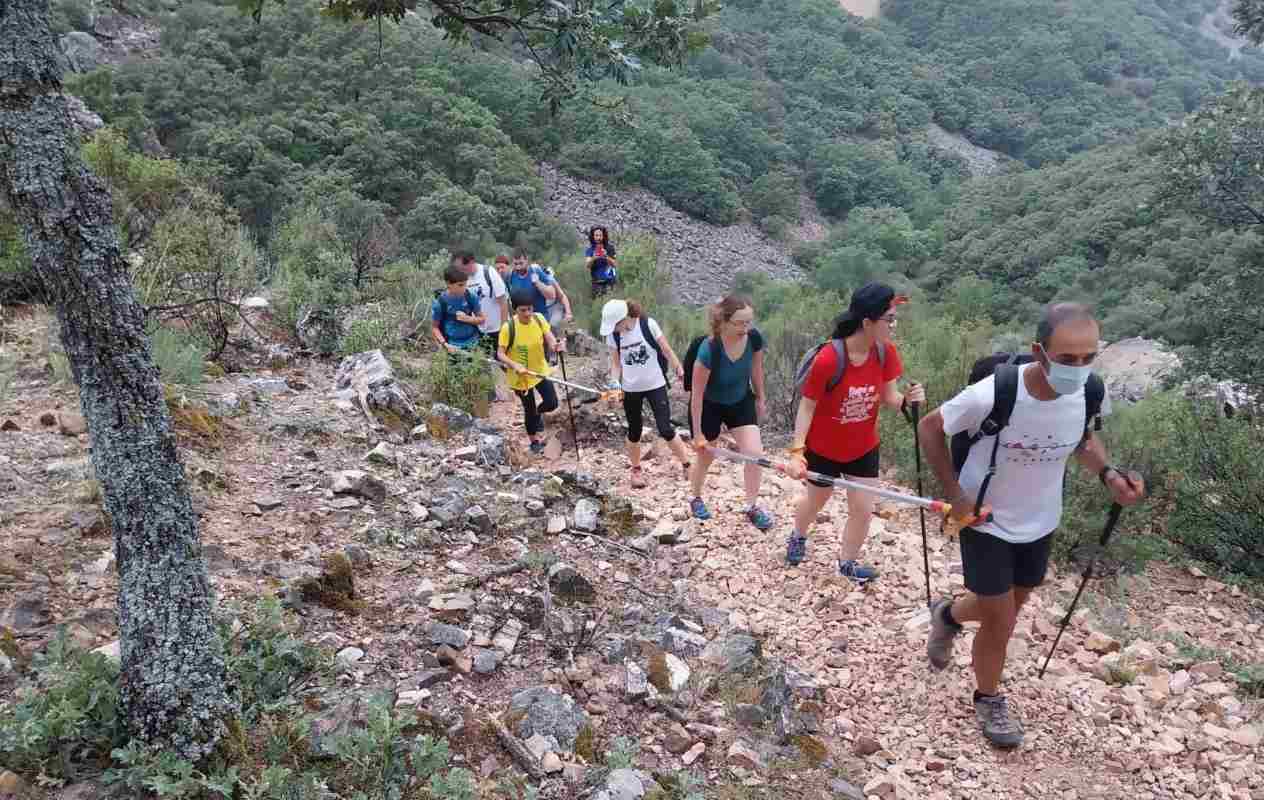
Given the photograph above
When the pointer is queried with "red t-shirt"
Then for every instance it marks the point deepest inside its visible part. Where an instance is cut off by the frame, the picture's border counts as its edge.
(845, 425)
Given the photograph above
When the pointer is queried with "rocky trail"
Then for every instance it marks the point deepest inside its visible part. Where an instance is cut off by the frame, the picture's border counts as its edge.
(575, 610)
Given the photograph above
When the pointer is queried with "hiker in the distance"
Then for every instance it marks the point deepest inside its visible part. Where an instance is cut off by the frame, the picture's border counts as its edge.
(600, 258)
(1055, 401)
(454, 315)
(524, 338)
(836, 428)
(728, 392)
(640, 360)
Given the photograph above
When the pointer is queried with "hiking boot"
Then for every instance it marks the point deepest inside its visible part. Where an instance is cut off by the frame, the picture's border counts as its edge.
(998, 726)
(759, 518)
(699, 508)
(856, 572)
(638, 478)
(796, 549)
(537, 448)
(942, 634)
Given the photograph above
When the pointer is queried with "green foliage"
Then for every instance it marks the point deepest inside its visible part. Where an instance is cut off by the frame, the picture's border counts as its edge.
(143, 188)
(461, 384)
(383, 759)
(179, 357)
(17, 279)
(267, 659)
(1042, 81)
(374, 332)
(67, 719)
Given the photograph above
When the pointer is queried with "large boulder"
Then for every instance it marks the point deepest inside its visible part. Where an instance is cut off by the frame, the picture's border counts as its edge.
(1135, 368)
(81, 51)
(548, 713)
(367, 381)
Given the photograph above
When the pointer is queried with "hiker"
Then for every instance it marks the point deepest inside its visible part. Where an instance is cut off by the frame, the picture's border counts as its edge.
(639, 360)
(836, 429)
(558, 311)
(727, 391)
(455, 315)
(600, 260)
(523, 340)
(489, 287)
(1013, 467)
(533, 279)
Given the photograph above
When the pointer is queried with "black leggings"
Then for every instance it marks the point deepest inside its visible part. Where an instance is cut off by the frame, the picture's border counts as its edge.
(534, 413)
(659, 404)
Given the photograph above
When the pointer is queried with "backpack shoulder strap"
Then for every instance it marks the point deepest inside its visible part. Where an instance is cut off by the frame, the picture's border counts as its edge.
(840, 364)
(1004, 396)
(512, 332)
(1094, 395)
(649, 336)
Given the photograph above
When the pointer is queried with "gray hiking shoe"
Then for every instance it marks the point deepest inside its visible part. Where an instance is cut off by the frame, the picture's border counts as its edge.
(942, 635)
(998, 726)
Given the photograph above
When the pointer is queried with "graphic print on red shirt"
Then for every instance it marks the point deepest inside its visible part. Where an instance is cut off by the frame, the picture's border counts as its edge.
(845, 425)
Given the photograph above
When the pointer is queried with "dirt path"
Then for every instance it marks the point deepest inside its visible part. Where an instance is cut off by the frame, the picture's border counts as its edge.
(889, 724)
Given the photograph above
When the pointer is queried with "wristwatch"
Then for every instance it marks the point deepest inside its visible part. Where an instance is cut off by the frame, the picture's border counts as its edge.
(1101, 476)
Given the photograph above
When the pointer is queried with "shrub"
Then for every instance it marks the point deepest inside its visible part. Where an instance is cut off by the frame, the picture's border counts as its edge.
(179, 357)
(66, 721)
(460, 384)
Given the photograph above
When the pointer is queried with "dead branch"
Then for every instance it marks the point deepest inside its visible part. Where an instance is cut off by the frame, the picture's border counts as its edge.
(518, 750)
(498, 572)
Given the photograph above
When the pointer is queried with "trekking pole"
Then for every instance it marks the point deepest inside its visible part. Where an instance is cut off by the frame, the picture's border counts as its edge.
(561, 357)
(921, 512)
(598, 394)
(938, 506)
(1115, 510)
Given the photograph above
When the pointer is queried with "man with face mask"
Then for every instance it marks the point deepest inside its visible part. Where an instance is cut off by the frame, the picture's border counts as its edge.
(1004, 560)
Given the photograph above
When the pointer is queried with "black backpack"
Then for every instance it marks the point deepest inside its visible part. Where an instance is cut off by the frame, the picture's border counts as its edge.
(662, 359)
(840, 352)
(1005, 367)
(691, 355)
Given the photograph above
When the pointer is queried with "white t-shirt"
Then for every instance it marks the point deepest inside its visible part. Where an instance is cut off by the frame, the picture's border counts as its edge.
(1026, 491)
(482, 290)
(641, 372)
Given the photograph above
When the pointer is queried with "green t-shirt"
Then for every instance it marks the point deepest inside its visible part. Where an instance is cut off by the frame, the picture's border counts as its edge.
(730, 380)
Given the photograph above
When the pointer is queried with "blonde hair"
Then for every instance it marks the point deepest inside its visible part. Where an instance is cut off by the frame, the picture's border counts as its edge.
(724, 310)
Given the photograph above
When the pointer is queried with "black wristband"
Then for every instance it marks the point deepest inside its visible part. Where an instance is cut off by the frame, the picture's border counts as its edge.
(1101, 476)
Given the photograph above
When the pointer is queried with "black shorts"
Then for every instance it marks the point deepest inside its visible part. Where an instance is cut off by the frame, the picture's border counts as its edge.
(864, 467)
(715, 415)
(993, 566)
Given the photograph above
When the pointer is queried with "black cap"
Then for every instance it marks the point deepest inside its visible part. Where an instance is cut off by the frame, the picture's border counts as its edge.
(873, 299)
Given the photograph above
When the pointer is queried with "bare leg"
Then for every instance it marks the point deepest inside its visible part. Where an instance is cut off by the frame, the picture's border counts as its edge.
(748, 443)
(699, 474)
(996, 615)
(859, 515)
(634, 454)
(810, 503)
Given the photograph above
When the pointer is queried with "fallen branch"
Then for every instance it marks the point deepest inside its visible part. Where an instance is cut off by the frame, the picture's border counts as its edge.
(499, 572)
(610, 542)
(518, 750)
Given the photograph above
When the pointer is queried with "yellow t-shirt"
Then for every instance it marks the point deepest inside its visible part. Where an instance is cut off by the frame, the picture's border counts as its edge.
(528, 350)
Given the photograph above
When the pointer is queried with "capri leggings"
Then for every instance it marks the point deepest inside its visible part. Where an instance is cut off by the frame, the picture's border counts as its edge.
(633, 403)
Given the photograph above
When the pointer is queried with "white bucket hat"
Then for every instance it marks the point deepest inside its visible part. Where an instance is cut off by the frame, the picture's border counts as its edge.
(612, 313)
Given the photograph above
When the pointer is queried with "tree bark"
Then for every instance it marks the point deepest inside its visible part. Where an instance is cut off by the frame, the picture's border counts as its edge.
(173, 682)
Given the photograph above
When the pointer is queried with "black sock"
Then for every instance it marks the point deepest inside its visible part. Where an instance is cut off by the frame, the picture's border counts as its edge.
(948, 616)
(980, 695)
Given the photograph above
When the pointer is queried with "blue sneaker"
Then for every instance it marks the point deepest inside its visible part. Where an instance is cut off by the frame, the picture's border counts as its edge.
(856, 572)
(796, 549)
(759, 518)
(699, 508)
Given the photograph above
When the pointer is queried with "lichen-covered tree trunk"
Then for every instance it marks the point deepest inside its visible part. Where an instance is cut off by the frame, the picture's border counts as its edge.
(173, 676)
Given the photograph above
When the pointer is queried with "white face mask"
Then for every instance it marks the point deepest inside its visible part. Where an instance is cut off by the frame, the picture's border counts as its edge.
(1065, 379)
